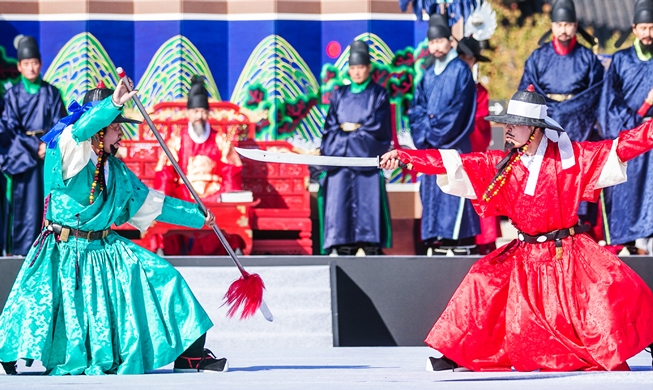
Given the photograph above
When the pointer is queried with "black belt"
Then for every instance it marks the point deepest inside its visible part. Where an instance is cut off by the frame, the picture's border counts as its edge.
(556, 235)
(64, 232)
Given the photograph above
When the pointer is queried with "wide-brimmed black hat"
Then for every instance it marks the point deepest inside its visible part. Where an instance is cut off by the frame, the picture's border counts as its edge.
(359, 53)
(643, 12)
(27, 48)
(564, 11)
(475, 47)
(438, 27)
(101, 93)
(527, 108)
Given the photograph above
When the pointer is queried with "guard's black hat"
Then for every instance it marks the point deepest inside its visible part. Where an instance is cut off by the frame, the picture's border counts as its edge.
(564, 11)
(198, 97)
(27, 48)
(438, 27)
(475, 47)
(643, 12)
(527, 108)
(359, 53)
(101, 93)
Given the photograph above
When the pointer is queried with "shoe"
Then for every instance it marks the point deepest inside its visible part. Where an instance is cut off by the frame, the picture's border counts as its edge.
(334, 252)
(360, 252)
(206, 363)
(10, 368)
(440, 364)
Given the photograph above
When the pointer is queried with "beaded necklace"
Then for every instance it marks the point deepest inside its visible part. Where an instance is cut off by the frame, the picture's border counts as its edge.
(500, 179)
(99, 168)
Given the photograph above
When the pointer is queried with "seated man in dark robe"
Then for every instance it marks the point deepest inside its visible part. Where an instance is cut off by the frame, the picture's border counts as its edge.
(355, 213)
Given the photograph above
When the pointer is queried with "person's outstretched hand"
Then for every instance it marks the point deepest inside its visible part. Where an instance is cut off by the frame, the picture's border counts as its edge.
(122, 95)
(210, 218)
(389, 160)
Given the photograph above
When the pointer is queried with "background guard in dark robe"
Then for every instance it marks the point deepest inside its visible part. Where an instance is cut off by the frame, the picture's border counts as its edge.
(32, 107)
(355, 212)
(625, 104)
(570, 76)
(442, 116)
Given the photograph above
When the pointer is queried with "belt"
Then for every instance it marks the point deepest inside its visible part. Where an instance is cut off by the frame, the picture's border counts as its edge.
(559, 97)
(556, 235)
(35, 132)
(65, 232)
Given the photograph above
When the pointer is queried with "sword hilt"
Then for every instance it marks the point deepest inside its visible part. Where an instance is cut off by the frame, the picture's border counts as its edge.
(401, 164)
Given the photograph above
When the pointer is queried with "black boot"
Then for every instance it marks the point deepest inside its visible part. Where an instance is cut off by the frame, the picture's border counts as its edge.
(440, 364)
(10, 368)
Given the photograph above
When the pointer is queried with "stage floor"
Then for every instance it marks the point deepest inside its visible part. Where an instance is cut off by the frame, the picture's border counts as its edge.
(341, 368)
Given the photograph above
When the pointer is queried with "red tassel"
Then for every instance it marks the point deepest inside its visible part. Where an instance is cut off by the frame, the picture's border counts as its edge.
(531, 88)
(247, 291)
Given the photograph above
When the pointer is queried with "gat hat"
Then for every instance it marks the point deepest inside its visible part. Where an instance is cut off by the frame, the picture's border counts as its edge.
(438, 27)
(198, 97)
(359, 53)
(27, 48)
(475, 47)
(643, 12)
(527, 108)
(564, 11)
(100, 93)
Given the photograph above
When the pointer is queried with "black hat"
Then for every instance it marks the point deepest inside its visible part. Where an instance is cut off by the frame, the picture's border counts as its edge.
(438, 27)
(643, 12)
(527, 108)
(27, 48)
(564, 11)
(475, 47)
(359, 53)
(101, 93)
(198, 97)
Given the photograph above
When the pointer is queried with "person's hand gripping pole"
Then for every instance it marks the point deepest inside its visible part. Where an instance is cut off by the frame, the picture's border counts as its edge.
(247, 291)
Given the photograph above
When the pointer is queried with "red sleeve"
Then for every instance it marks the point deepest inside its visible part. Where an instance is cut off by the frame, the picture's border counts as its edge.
(643, 109)
(634, 142)
(166, 180)
(231, 178)
(427, 161)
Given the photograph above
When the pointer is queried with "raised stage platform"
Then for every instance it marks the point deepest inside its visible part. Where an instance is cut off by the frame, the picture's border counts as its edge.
(321, 301)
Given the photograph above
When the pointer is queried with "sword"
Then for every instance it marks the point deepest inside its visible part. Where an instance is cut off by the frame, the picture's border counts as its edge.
(303, 159)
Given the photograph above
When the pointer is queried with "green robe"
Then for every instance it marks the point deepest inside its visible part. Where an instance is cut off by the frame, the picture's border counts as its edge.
(129, 311)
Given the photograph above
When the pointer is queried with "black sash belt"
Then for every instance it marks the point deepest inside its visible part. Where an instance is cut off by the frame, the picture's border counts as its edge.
(64, 232)
(556, 235)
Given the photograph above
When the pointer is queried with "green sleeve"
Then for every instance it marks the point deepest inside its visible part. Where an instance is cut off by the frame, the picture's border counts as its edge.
(180, 212)
(95, 119)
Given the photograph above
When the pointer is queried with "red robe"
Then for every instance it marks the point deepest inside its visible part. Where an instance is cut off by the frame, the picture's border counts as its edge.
(480, 140)
(522, 307)
(210, 176)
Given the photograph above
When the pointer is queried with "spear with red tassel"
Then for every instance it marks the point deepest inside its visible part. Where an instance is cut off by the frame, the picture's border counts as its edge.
(247, 291)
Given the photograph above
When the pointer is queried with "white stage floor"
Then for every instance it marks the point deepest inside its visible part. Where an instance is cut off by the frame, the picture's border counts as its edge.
(340, 368)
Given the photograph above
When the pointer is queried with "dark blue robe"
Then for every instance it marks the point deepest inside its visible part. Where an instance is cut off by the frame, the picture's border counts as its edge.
(629, 206)
(26, 113)
(356, 203)
(578, 73)
(442, 117)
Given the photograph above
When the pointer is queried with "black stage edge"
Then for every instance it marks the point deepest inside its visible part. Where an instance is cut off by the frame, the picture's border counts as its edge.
(376, 300)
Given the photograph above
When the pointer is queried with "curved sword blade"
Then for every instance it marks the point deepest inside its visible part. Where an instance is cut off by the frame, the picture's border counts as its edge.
(307, 159)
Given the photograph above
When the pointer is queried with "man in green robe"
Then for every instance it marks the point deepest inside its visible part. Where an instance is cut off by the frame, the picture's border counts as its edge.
(87, 301)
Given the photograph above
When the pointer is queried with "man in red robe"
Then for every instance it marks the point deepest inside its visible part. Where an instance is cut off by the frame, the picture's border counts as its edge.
(209, 161)
(480, 139)
(553, 299)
